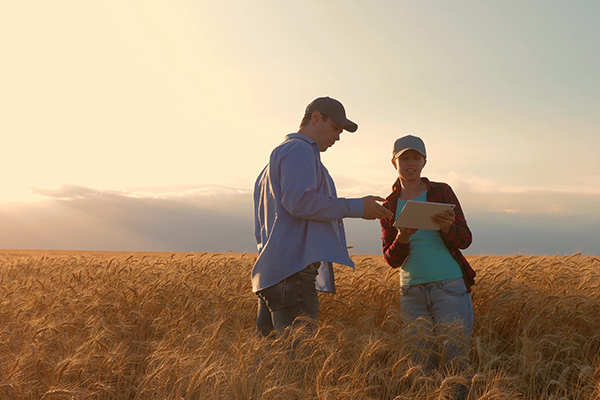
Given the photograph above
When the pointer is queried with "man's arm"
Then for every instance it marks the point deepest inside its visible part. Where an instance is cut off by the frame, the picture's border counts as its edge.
(298, 177)
(298, 174)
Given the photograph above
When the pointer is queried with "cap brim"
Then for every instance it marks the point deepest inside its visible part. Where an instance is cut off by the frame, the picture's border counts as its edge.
(347, 124)
(351, 127)
(407, 149)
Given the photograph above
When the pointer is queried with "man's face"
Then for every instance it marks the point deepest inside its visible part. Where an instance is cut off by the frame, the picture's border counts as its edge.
(328, 132)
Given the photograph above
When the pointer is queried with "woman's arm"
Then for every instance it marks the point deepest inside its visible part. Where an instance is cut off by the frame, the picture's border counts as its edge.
(394, 251)
(458, 234)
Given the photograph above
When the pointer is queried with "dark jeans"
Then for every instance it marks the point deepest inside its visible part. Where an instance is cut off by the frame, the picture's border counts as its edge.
(281, 304)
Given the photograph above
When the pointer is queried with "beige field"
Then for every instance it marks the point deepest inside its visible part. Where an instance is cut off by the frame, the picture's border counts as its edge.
(97, 325)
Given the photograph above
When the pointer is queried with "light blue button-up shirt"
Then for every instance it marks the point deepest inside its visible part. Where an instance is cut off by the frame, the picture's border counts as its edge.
(298, 216)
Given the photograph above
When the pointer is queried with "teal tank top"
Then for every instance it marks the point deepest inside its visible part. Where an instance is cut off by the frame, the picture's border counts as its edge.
(429, 259)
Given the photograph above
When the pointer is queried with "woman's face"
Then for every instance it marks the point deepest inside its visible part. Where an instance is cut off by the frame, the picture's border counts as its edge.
(409, 165)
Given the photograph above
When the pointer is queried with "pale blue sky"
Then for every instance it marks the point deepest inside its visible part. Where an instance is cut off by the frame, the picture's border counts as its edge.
(162, 100)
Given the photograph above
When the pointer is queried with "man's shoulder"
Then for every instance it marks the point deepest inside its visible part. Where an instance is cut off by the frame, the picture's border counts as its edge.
(296, 139)
(293, 142)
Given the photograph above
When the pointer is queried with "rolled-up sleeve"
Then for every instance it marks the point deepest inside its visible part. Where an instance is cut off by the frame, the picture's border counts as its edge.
(459, 235)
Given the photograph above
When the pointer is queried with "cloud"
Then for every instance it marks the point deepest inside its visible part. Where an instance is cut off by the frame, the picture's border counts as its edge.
(220, 218)
(78, 218)
(483, 185)
(199, 192)
(504, 219)
(482, 195)
(71, 192)
(503, 234)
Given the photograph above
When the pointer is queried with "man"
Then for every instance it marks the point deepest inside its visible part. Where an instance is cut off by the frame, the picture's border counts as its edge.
(298, 221)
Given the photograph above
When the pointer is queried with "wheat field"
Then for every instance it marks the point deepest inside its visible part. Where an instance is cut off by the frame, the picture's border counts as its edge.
(100, 325)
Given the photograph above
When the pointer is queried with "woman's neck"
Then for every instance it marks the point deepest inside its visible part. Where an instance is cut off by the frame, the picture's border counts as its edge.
(412, 189)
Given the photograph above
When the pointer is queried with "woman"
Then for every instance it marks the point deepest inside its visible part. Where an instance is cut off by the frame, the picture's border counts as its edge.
(435, 277)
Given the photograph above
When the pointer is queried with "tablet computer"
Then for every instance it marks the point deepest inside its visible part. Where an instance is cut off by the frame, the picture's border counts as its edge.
(417, 214)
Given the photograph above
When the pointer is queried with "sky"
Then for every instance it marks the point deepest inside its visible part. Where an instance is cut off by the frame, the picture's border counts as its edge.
(142, 126)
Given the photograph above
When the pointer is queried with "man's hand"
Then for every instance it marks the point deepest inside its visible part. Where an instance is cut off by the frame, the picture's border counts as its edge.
(374, 210)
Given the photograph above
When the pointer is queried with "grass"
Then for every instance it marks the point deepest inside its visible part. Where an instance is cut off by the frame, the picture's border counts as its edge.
(84, 325)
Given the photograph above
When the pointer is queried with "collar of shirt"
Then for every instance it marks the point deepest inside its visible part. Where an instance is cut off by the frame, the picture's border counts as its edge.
(306, 139)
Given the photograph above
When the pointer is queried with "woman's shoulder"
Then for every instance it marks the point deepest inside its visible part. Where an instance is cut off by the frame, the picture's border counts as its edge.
(392, 198)
(438, 184)
(438, 188)
(435, 185)
(396, 190)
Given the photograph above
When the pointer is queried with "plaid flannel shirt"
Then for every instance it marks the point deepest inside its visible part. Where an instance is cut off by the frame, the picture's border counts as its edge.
(458, 236)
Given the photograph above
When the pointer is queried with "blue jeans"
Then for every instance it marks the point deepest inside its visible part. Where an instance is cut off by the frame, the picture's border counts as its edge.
(281, 304)
(433, 306)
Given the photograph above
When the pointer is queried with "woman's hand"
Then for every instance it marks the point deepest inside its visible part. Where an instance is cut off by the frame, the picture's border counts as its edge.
(404, 234)
(444, 219)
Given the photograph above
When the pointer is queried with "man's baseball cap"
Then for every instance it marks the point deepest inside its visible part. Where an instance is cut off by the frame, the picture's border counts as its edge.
(408, 142)
(334, 109)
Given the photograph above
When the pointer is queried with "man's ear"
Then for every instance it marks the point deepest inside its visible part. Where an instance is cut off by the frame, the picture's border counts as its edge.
(315, 117)
(394, 163)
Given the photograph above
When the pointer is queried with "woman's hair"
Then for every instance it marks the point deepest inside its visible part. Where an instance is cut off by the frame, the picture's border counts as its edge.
(307, 117)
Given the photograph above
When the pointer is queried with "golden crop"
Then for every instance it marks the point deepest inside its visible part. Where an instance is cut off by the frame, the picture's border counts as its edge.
(85, 325)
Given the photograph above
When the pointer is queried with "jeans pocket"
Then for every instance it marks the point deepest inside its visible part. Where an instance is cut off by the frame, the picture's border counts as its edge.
(274, 296)
(312, 270)
(454, 287)
(404, 289)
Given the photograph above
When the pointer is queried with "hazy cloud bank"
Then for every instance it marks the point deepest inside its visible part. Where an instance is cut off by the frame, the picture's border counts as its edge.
(193, 219)
(219, 218)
